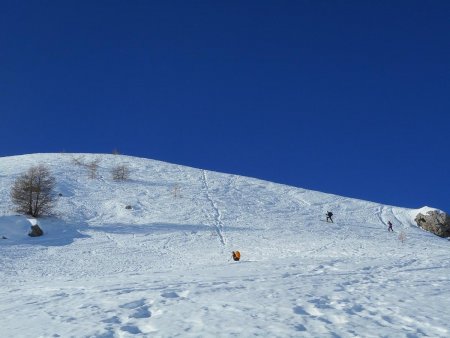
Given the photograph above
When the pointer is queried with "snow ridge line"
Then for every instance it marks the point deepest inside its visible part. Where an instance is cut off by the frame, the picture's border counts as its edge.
(218, 224)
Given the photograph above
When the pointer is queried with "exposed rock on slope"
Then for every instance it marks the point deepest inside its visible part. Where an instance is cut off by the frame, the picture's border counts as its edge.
(435, 221)
(35, 231)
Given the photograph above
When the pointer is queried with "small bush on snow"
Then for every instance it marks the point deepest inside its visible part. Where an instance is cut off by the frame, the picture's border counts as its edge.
(120, 172)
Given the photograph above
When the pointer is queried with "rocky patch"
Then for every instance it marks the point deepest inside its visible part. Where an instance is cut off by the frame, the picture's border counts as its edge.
(435, 221)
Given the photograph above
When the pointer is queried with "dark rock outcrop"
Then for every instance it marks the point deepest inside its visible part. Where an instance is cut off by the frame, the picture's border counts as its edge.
(36, 231)
(435, 221)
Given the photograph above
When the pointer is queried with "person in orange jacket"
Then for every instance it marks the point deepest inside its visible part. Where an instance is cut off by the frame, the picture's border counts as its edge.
(236, 255)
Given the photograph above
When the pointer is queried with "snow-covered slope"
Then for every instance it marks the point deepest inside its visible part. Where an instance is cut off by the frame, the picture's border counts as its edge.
(163, 268)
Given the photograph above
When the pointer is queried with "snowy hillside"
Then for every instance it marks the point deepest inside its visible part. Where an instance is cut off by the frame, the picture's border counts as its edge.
(163, 268)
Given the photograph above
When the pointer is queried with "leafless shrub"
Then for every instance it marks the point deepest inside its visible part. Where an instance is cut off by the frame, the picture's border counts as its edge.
(176, 191)
(32, 192)
(93, 168)
(402, 236)
(78, 161)
(120, 172)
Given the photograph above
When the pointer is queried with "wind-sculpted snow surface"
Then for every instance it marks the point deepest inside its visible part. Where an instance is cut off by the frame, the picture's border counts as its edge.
(163, 268)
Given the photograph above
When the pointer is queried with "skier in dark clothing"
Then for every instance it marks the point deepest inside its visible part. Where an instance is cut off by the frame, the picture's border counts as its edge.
(329, 215)
(390, 226)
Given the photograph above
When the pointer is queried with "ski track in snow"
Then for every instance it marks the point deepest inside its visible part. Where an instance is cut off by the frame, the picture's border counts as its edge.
(158, 270)
(217, 218)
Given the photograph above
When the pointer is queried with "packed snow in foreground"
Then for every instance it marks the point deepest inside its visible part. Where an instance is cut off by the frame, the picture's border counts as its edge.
(163, 268)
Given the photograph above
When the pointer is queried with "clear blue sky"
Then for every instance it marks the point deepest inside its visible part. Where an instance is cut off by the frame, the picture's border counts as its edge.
(346, 97)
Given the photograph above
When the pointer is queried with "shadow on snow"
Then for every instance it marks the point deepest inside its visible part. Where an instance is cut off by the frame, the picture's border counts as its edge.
(56, 231)
(152, 228)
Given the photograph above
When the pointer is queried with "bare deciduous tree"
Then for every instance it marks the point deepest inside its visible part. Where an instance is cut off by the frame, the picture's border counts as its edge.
(120, 172)
(32, 192)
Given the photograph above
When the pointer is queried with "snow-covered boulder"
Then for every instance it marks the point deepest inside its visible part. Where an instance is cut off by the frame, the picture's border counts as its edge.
(35, 231)
(435, 221)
